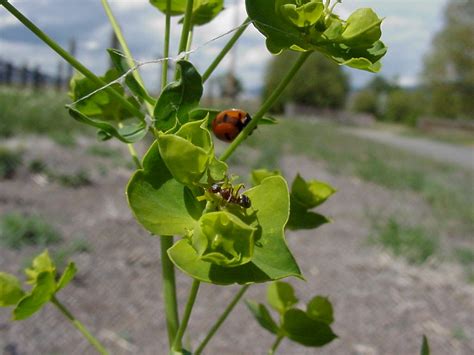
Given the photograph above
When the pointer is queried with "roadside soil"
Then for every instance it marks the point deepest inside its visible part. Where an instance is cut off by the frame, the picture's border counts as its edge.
(382, 305)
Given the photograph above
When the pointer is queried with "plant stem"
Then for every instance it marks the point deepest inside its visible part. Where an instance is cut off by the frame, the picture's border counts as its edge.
(221, 319)
(185, 31)
(169, 289)
(70, 59)
(94, 342)
(275, 345)
(225, 50)
(177, 344)
(128, 55)
(266, 106)
(166, 49)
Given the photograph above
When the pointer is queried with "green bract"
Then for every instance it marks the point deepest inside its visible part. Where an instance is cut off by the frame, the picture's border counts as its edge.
(178, 98)
(311, 328)
(159, 202)
(223, 239)
(189, 153)
(42, 276)
(10, 290)
(306, 25)
(271, 259)
(203, 10)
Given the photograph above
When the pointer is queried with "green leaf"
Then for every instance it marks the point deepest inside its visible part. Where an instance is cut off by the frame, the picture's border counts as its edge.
(217, 169)
(281, 296)
(102, 104)
(160, 203)
(301, 218)
(310, 193)
(41, 263)
(127, 134)
(178, 98)
(320, 309)
(67, 276)
(306, 331)
(10, 290)
(272, 260)
(178, 7)
(204, 11)
(259, 174)
(303, 14)
(120, 64)
(362, 28)
(223, 239)
(263, 316)
(39, 296)
(425, 347)
(188, 153)
(280, 33)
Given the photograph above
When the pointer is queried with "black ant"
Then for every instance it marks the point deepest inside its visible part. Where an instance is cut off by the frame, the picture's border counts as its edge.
(231, 195)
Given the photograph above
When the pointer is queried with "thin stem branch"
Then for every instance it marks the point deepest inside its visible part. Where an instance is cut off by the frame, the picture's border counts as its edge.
(185, 31)
(221, 319)
(70, 59)
(166, 49)
(225, 50)
(275, 345)
(79, 326)
(169, 289)
(177, 344)
(266, 106)
(128, 54)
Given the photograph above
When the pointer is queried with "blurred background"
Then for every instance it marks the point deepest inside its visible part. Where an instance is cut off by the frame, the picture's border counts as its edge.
(397, 261)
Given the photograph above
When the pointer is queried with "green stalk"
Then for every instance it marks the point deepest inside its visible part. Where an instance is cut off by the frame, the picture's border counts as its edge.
(275, 345)
(166, 49)
(225, 50)
(185, 31)
(166, 242)
(128, 55)
(79, 326)
(70, 59)
(177, 344)
(221, 319)
(266, 106)
(169, 288)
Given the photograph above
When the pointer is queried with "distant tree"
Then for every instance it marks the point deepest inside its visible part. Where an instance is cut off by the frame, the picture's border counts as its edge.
(229, 85)
(449, 67)
(320, 83)
(403, 106)
(366, 101)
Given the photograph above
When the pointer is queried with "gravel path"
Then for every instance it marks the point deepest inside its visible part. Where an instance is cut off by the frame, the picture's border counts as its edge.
(382, 305)
(444, 152)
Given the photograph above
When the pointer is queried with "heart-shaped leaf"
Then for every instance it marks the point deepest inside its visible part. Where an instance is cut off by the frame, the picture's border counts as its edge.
(178, 98)
(263, 316)
(41, 263)
(301, 14)
(10, 290)
(320, 309)
(306, 331)
(67, 276)
(310, 193)
(160, 203)
(41, 294)
(259, 174)
(281, 296)
(178, 7)
(272, 260)
(362, 28)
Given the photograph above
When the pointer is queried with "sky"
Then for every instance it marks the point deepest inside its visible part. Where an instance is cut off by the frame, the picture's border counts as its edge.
(408, 30)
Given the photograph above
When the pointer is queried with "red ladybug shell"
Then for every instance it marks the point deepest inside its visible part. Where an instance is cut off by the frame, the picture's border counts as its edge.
(229, 123)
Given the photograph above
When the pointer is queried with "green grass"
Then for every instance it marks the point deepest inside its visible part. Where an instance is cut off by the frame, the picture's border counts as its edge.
(17, 230)
(10, 161)
(103, 151)
(40, 112)
(447, 188)
(76, 180)
(415, 244)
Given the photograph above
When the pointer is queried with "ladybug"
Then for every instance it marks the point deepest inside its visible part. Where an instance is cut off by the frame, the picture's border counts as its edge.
(229, 123)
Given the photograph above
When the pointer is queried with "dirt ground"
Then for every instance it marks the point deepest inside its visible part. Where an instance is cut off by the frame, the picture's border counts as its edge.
(382, 305)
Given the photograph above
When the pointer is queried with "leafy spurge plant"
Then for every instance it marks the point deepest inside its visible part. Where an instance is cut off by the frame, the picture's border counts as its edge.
(222, 240)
